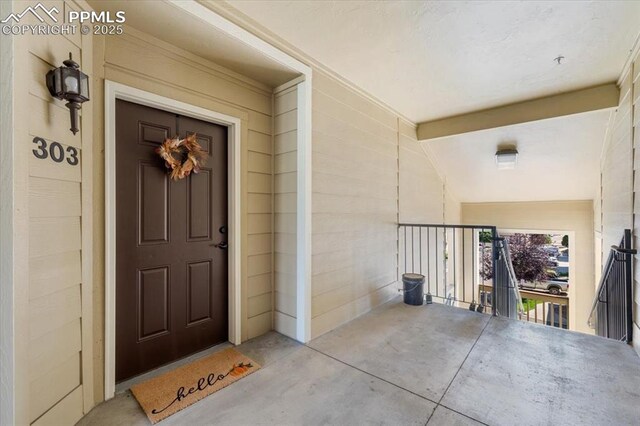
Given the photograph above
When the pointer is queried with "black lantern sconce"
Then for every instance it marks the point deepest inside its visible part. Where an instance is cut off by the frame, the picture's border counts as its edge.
(70, 84)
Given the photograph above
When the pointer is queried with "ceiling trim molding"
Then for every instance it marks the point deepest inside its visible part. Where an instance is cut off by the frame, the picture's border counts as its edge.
(601, 97)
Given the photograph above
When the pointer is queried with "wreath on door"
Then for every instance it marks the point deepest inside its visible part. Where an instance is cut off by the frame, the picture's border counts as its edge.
(182, 156)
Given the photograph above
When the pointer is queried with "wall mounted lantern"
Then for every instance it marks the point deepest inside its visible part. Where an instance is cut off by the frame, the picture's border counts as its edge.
(507, 159)
(70, 84)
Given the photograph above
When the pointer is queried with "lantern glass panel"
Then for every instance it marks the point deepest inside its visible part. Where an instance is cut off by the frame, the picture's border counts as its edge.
(84, 85)
(57, 80)
(71, 82)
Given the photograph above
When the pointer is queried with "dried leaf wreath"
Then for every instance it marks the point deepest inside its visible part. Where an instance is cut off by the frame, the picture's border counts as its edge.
(182, 156)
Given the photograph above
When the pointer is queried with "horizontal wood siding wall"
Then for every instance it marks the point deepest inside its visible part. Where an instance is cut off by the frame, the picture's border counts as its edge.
(285, 173)
(59, 233)
(635, 72)
(141, 61)
(617, 172)
(421, 189)
(620, 180)
(357, 146)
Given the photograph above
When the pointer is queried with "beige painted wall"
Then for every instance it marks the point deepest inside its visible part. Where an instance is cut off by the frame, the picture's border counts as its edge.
(421, 191)
(617, 172)
(368, 173)
(575, 216)
(52, 227)
(355, 204)
(138, 60)
(620, 206)
(635, 72)
(285, 187)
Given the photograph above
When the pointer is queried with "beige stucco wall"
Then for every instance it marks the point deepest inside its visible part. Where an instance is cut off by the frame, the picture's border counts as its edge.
(563, 216)
(143, 62)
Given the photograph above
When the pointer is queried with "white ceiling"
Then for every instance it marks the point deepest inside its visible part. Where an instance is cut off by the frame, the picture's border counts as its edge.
(559, 159)
(434, 59)
(173, 25)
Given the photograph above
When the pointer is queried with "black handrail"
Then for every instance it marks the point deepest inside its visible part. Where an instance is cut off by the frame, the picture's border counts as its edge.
(612, 310)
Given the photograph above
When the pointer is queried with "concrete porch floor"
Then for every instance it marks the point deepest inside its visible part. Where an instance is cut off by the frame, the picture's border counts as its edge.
(405, 365)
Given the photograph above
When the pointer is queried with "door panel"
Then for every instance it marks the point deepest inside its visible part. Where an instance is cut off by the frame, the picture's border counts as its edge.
(171, 281)
(153, 204)
(198, 306)
(199, 206)
(153, 302)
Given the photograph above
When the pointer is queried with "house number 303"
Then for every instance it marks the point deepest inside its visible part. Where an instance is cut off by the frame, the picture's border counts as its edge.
(55, 151)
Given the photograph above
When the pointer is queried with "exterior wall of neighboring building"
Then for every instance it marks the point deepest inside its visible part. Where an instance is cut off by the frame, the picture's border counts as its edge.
(563, 216)
(619, 202)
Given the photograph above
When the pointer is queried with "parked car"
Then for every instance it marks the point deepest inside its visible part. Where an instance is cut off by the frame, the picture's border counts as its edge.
(552, 286)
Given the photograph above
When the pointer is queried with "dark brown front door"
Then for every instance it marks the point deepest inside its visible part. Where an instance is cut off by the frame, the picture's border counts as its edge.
(171, 281)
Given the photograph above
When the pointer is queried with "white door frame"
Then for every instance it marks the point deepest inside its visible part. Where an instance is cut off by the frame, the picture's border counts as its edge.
(115, 91)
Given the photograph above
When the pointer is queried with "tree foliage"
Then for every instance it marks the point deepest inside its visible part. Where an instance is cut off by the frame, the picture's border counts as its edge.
(565, 241)
(527, 256)
(539, 239)
(485, 236)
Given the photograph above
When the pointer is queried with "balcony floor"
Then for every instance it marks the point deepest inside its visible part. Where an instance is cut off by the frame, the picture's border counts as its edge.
(434, 364)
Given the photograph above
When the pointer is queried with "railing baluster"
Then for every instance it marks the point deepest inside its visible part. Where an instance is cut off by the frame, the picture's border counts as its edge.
(454, 254)
(420, 245)
(437, 263)
(429, 259)
(474, 248)
(413, 252)
(405, 249)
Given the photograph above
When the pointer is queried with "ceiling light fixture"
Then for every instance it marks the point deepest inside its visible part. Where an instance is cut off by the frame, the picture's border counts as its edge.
(506, 159)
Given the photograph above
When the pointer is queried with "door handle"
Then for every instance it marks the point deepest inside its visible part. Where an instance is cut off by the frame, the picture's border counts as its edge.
(221, 245)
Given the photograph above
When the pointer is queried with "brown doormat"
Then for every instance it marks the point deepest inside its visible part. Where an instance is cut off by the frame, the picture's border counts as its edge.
(169, 393)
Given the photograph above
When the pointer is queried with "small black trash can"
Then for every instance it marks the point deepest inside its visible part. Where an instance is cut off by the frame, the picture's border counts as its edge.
(413, 289)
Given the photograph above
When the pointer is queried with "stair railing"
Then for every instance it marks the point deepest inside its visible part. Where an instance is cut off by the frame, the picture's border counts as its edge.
(508, 301)
(612, 310)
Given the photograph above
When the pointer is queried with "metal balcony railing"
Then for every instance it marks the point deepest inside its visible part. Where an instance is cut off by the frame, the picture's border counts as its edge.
(545, 308)
(612, 311)
(464, 265)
